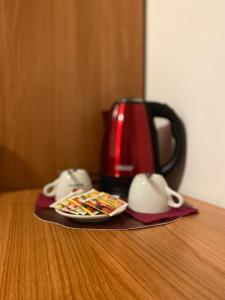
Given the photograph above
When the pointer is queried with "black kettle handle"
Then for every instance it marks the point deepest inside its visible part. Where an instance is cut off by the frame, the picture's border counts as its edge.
(178, 130)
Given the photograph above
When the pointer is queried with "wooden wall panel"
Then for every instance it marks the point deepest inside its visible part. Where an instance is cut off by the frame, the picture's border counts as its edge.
(61, 63)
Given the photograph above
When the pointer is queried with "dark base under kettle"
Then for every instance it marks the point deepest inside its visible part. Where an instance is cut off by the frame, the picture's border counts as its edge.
(115, 186)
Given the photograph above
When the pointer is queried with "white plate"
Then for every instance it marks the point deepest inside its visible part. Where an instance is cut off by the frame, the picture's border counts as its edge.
(97, 218)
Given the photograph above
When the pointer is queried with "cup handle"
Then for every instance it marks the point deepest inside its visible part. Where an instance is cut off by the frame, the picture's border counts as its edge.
(49, 186)
(172, 194)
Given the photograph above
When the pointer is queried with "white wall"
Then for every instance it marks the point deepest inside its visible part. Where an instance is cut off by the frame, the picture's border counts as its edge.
(186, 69)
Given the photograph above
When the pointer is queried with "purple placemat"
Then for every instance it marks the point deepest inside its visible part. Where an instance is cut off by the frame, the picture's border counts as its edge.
(183, 211)
(43, 201)
(124, 221)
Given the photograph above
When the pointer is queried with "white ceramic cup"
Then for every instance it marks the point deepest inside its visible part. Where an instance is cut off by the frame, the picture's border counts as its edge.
(68, 181)
(151, 194)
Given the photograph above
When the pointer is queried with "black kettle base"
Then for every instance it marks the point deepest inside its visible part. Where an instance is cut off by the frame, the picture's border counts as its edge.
(115, 186)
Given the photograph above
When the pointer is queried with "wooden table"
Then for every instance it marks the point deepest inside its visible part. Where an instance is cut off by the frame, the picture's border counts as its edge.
(181, 260)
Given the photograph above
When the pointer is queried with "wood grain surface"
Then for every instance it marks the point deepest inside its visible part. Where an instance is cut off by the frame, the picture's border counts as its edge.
(61, 64)
(181, 260)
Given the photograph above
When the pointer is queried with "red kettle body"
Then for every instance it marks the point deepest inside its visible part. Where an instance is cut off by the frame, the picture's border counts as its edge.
(130, 144)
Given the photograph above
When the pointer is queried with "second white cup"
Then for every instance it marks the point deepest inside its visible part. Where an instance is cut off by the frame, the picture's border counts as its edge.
(151, 194)
(68, 181)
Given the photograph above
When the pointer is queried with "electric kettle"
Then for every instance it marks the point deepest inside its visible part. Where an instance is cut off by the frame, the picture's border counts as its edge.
(130, 144)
